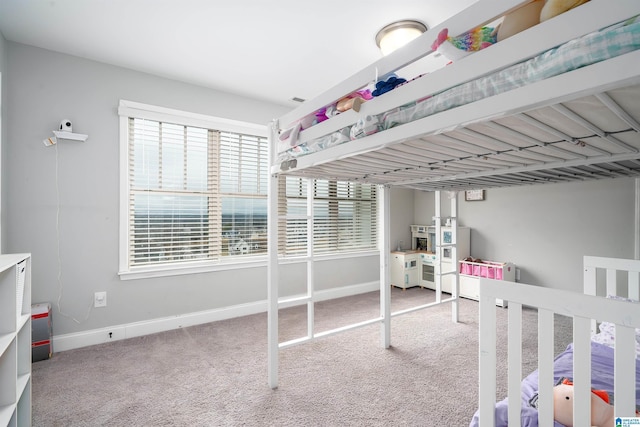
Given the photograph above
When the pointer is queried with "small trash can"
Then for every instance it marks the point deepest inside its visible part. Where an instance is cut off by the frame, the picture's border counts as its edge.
(41, 348)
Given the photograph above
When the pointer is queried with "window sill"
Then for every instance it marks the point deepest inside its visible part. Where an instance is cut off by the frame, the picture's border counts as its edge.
(201, 267)
(195, 268)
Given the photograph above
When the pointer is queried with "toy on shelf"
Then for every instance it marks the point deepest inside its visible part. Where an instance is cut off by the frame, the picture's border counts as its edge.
(352, 101)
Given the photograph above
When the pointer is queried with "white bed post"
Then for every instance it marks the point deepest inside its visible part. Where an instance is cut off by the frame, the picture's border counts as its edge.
(636, 231)
(590, 286)
(545, 365)
(487, 359)
(272, 266)
(634, 277)
(438, 248)
(581, 370)
(455, 278)
(384, 226)
(310, 260)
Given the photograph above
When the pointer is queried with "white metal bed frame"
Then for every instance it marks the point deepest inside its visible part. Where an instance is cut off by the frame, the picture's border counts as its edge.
(413, 155)
(585, 309)
(397, 156)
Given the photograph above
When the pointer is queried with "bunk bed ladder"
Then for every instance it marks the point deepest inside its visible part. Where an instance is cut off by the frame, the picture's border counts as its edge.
(453, 247)
(274, 303)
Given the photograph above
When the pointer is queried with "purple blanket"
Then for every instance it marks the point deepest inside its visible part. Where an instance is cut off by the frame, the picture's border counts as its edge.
(601, 379)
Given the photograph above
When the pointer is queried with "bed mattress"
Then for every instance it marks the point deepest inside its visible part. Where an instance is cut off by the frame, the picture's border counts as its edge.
(595, 47)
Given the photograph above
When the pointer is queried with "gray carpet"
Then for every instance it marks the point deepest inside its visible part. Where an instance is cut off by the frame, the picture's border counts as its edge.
(216, 374)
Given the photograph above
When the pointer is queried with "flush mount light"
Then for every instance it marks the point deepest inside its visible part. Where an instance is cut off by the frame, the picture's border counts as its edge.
(397, 34)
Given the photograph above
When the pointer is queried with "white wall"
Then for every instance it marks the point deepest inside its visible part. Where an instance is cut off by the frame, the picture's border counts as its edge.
(42, 88)
(547, 229)
(402, 216)
(2, 128)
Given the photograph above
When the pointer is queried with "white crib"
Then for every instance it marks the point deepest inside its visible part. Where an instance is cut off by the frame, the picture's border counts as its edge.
(619, 275)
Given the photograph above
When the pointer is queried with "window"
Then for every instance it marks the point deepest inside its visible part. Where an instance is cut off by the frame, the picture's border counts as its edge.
(195, 192)
(194, 195)
(345, 216)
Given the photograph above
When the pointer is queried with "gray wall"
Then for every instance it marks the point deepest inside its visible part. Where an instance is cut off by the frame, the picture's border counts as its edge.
(3, 61)
(41, 88)
(547, 229)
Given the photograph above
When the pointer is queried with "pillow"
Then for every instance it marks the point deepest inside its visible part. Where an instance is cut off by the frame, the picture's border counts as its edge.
(520, 19)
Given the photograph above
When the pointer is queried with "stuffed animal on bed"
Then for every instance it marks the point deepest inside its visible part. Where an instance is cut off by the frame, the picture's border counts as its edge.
(556, 7)
(601, 411)
(454, 48)
(352, 101)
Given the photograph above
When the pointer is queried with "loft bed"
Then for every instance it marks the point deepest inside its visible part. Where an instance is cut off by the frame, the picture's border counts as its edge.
(603, 356)
(580, 123)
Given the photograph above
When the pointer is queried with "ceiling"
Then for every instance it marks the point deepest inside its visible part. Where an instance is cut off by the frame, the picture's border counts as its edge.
(269, 50)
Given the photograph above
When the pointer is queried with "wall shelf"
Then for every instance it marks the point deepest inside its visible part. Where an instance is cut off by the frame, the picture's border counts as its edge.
(70, 135)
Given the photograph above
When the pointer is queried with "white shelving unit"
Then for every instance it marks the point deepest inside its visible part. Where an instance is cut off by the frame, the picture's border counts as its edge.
(15, 340)
(60, 134)
(471, 272)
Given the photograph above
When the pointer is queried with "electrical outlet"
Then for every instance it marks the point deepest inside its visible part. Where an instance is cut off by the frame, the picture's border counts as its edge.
(100, 299)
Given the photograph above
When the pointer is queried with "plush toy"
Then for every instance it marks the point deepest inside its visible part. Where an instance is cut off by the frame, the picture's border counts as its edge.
(556, 7)
(601, 411)
(520, 19)
(351, 101)
(454, 48)
(387, 83)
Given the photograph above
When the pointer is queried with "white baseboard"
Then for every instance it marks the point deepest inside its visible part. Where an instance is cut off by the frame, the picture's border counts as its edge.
(119, 332)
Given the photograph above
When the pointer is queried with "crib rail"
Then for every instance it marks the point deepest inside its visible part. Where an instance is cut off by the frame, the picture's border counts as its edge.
(611, 268)
(582, 308)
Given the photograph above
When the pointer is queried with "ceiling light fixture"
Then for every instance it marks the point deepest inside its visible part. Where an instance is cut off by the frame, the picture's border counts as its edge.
(397, 34)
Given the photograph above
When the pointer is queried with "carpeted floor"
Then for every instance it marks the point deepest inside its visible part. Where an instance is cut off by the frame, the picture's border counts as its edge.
(216, 374)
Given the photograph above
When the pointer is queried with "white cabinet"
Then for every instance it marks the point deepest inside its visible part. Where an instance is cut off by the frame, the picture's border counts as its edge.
(15, 340)
(405, 269)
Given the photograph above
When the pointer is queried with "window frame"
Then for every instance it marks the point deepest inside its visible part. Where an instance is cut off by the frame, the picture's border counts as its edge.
(313, 194)
(127, 109)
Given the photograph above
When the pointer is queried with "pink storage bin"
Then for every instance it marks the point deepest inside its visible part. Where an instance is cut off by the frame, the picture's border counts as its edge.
(466, 268)
(476, 270)
(491, 272)
(484, 271)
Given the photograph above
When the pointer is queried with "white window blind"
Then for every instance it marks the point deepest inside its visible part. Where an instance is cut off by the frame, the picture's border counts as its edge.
(344, 216)
(195, 193)
(243, 181)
